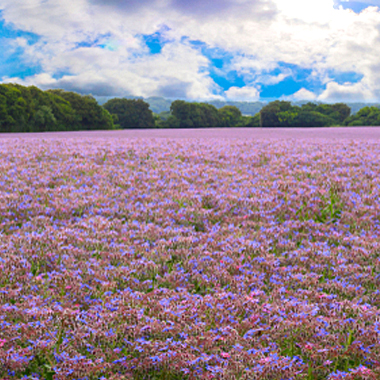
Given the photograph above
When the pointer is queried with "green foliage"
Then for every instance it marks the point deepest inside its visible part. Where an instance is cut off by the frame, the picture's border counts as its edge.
(284, 114)
(41, 363)
(287, 117)
(329, 212)
(14, 112)
(252, 121)
(276, 114)
(171, 122)
(29, 109)
(164, 115)
(306, 119)
(131, 113)
(91, 116)
(367, 116)
(230, 116)
(356, 107)
(195, 115)
(339, 111)
(166, 120)
(44, 120)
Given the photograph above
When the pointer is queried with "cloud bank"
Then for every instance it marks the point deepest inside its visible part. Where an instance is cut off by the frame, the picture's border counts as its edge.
(201, 49)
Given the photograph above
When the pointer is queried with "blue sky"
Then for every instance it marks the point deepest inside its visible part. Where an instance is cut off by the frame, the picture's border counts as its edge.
(11, 59)
(195, 49)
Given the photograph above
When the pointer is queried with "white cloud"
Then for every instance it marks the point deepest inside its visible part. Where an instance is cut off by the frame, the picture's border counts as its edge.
(303, 94)
(347, 93)
(243, 93)
(174, 73)
(310, 34)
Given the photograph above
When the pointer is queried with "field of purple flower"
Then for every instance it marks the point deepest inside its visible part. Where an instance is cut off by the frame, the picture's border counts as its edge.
(189, 259)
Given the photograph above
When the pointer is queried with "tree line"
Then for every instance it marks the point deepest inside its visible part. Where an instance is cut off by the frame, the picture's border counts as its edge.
(159, 104)
(280, 114)
(29, 109)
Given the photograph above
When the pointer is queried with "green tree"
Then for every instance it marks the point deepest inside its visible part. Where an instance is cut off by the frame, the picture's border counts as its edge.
(27, 109)
(277, 114)
(164, 115)
(283, 114)
(230, 116)
(342, 110)
(338, 112)
(195, 115)
(31, 99)
(131, 113)
(171, 122)
(367, 116)
(312, 119)
(287, 118)
(36, 98)
(90, 115)
(14, 113)
(309, 107)
(252, 121)
(208, 116)
(6, 120)
(43, 120)
(184, 112)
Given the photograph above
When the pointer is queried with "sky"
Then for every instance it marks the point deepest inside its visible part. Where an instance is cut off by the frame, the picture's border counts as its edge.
(245, 50)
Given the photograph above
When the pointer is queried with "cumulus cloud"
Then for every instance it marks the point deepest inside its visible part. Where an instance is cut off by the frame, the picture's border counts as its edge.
(173, 73)
(303, 94)
(174, 89)
(199, 9)
(97, 45)
(346, 93)
(80, 84)
(243, 93)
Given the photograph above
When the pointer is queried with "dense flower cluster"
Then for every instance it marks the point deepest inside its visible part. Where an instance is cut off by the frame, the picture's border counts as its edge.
(189, 259)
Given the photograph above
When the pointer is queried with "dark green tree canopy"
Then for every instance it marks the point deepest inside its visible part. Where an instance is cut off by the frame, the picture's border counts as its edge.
(131, 113)
(367, 116)
(230, 116)
(252, 121)
(284, 114)
(276, 114)
(29, 109)
(338, 112)
(91, 116)
(20, 104)
(195, 115)
(307, 119)
(44, 119)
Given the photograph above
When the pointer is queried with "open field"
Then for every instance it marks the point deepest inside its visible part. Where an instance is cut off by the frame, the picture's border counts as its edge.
(171, 259)
(356, 133)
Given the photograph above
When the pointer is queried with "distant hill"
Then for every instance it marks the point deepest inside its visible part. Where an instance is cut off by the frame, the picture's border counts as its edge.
(158, 104)
(246, 108)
